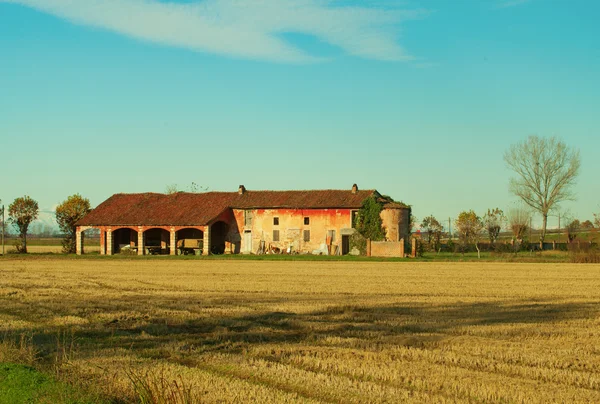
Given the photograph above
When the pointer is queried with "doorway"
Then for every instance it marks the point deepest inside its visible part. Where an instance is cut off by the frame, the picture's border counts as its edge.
(345, 245)
(247, 241)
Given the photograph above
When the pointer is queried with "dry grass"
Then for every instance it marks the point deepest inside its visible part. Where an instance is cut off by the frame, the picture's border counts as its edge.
(249, 331)
(55, 249)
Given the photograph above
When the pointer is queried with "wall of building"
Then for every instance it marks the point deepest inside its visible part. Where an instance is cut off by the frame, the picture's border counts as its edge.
(387, 249)
(258, 225)
(396, 223)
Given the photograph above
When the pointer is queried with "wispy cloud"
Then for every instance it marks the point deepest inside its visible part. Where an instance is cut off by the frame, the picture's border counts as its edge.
(242, 28)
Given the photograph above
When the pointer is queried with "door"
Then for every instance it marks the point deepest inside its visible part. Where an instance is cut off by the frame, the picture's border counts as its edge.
(247, 241)
(345, 245)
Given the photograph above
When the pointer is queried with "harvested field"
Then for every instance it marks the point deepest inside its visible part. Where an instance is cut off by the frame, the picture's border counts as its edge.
(250, 331)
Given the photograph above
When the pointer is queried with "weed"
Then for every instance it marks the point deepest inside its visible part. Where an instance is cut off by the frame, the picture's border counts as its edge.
(156, 387)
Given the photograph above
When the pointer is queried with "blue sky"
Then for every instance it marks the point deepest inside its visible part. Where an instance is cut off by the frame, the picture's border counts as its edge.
(418, 99)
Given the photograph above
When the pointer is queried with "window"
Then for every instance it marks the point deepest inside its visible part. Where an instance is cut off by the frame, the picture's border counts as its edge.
(354, 218)
(275, 221)
(307, 235)
(275, 235)
(307, 221)
(248, 216)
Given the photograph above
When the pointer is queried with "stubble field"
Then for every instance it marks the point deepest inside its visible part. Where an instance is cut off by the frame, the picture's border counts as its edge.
(256, 331)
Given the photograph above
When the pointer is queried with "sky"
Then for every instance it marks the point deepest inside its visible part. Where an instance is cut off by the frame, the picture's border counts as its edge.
(417, 99)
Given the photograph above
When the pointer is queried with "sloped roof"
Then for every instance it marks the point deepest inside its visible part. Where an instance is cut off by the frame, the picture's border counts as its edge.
(198, 209)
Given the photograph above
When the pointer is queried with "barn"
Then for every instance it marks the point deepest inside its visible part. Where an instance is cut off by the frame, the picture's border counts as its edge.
(246, 221)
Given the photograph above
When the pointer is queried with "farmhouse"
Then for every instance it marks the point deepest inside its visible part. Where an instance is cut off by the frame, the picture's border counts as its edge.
(317, 221)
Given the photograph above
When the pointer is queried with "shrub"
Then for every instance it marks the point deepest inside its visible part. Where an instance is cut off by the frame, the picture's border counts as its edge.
(359, 242)
(584, 253)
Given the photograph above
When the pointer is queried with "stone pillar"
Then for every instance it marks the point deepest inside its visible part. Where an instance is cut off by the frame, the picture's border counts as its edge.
(206, 242)
(79, 241)
(402, 248)
(173, 242)
(140, 242)
(414, 248)
(109, 242)
(102, 241)
(368, 247)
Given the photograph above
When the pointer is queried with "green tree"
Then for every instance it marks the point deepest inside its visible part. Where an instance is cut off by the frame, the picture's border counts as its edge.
(21, 213)
(469, 227)
(434, 229)
(545, 170)
(368, 220)
(493, 221)
(67, 214)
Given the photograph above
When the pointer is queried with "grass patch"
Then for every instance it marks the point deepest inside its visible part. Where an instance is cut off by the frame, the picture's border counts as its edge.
(23, 384)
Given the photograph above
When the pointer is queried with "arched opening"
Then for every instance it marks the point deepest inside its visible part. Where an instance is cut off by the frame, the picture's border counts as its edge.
(124, 241)
(190, 241)
(91, 241)
(156, 241)
(218, 236)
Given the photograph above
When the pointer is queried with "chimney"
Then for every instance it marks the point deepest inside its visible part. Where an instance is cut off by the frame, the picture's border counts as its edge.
(354, 188)
(242, 190)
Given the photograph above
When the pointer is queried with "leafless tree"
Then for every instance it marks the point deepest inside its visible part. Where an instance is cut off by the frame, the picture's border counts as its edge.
(545, 170)
(518, 221)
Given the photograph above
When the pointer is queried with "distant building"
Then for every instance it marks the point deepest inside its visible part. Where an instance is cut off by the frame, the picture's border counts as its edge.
(235, 222)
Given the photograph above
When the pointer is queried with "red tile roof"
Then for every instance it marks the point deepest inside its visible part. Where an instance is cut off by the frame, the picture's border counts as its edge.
(199, 209)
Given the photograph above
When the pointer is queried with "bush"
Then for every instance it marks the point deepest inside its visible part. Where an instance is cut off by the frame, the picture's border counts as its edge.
(584, 253)
(501, 248)
(359, 242)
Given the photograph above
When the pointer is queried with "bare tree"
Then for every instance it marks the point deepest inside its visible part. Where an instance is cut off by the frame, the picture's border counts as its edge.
(546, 171)
(193, 188)
(518, 222)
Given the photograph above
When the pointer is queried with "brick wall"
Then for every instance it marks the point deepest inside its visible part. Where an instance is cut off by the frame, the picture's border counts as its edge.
(387, 248)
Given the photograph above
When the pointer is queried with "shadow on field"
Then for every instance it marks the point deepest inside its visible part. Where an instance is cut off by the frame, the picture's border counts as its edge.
(418, 325)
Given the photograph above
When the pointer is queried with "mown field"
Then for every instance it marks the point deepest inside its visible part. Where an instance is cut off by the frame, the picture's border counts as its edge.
(276, 331)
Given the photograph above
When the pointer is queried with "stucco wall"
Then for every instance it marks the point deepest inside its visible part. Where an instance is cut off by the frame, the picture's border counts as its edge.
(395, 222)
(291, 227)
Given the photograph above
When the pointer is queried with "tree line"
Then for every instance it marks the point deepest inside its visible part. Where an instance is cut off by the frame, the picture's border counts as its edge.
(24, 210)
(545, 171)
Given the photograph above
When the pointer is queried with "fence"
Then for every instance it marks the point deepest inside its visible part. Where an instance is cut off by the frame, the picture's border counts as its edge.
(388, 249)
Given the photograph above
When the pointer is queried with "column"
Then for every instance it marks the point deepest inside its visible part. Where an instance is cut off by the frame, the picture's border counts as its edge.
(173, 242)
(109, 242)
(140, 242)
(79, 241)
(206, 242)
(102, 241)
